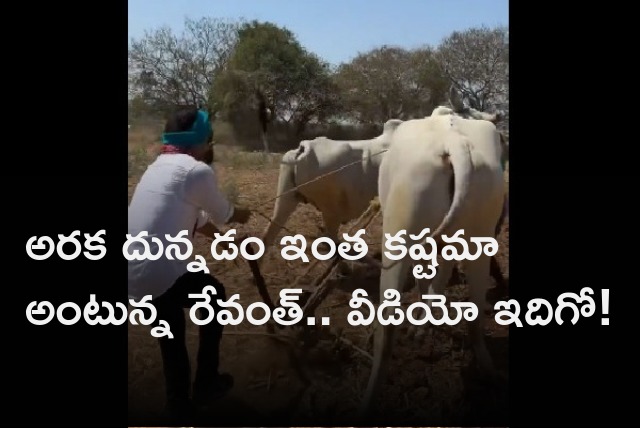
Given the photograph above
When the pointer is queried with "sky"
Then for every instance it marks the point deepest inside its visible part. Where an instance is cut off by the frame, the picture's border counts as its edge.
(335, 30)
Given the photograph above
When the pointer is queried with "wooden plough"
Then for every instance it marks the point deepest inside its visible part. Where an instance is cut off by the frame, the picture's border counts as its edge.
(318, 290)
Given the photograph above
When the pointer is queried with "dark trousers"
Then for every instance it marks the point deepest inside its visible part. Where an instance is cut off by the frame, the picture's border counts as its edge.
(170, 308)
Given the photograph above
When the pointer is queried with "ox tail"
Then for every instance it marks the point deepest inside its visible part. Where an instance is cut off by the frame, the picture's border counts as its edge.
(459, 156)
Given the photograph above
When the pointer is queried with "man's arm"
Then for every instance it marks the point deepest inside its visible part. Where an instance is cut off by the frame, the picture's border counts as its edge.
(203, 191)
(204, 226)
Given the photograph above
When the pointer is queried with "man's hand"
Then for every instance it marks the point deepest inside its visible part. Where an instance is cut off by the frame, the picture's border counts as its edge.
(240, 215)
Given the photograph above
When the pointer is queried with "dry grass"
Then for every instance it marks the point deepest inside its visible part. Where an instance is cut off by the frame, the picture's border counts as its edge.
(429, 380)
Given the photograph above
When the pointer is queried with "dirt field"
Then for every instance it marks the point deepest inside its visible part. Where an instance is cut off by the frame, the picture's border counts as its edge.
(429, 380)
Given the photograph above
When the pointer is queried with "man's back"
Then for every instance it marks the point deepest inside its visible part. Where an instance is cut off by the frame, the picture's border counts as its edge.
(159, 204)
(165, 202)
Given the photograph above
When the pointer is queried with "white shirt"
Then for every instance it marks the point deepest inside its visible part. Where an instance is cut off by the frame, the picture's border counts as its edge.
(175, 193)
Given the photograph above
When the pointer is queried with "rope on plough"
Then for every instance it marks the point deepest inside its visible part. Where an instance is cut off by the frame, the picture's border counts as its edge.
(296, 188)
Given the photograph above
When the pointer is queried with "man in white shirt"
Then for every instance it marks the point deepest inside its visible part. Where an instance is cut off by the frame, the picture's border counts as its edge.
(179, 191)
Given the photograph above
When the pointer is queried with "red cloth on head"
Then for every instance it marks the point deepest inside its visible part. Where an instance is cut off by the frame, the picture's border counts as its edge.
(169, 149)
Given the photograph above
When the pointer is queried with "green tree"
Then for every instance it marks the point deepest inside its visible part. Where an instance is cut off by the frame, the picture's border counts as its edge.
(476, 61)
(390, 83)
(268, 59)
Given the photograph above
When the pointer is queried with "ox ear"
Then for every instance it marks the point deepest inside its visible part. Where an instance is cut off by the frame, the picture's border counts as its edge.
(455, 99)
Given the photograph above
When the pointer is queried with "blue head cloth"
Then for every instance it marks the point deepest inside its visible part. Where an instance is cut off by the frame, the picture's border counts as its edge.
(198, 134)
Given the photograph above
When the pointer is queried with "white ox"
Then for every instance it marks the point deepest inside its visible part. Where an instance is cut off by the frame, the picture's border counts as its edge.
(341, 196)
(414, 191)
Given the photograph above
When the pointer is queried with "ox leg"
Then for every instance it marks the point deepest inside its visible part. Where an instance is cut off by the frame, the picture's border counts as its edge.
(284, 207)
(496, 272)
(331, 228)
(392, 278)
(436, 285)
(477, 272)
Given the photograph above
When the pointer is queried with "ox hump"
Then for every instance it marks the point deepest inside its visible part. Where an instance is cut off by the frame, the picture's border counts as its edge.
(390, 126)
(442, 111)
